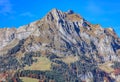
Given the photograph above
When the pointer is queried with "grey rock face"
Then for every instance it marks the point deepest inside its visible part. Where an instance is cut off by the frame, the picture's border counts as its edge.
(6, 36)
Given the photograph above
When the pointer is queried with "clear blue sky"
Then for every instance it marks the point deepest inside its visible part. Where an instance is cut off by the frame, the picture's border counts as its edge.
(14, 13)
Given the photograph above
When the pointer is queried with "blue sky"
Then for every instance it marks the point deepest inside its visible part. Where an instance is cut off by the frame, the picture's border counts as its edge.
(14, 13)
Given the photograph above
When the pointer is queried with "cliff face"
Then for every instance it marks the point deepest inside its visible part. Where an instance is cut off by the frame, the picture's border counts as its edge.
(67, 35)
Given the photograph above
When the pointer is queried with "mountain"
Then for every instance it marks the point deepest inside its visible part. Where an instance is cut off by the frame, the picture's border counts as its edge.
(60, 47)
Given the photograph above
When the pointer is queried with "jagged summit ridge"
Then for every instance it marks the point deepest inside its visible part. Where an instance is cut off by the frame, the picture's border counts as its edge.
(58, 14)
(55, 14)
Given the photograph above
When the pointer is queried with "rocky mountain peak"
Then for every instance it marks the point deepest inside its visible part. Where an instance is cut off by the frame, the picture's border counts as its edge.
(66, 39)
(55, 14)
(59, 15)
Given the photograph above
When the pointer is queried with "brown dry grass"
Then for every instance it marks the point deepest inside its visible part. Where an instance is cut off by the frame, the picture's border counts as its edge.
(42, 64)
(70, 59)
(27, 79)
(106, 67)
(74, 17)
